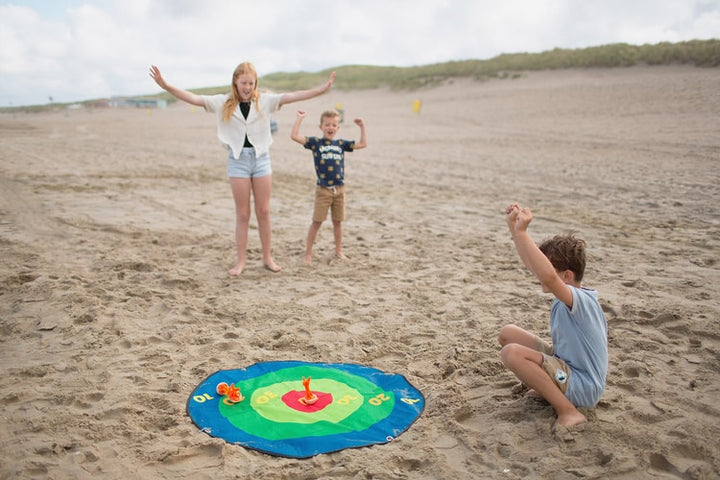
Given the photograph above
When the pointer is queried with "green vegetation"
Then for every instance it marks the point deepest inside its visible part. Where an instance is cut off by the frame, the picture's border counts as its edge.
(700, 53)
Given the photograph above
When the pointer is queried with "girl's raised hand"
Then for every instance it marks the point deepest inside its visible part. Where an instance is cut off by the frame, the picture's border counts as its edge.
(157, 76)
(329, 83)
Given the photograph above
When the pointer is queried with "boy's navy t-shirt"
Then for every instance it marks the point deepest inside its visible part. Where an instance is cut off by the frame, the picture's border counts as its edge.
(329, 157)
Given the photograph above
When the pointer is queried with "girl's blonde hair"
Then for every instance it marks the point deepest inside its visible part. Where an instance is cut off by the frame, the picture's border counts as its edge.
(245, 68)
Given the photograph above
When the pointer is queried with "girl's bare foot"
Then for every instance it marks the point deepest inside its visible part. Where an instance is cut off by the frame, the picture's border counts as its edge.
(237, 270)
(307, 259)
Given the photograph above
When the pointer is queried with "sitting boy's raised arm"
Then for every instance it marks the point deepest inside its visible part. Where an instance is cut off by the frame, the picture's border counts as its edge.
(553, 281)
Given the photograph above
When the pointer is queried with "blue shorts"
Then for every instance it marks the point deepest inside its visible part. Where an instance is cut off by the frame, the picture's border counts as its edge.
(248, 166)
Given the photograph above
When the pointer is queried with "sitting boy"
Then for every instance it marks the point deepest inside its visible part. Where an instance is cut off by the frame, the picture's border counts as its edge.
(571, 372)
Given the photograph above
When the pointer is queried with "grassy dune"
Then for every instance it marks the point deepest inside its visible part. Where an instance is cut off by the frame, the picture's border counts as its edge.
(701, 53)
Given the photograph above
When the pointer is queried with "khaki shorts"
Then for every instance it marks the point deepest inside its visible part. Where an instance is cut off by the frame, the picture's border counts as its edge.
(332, 199)
(555, 367)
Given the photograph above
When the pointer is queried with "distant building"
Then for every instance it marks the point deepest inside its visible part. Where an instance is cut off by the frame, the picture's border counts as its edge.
(147, 103)
(125, 102)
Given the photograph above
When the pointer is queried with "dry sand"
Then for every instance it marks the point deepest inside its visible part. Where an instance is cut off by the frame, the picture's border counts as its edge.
(116, 232)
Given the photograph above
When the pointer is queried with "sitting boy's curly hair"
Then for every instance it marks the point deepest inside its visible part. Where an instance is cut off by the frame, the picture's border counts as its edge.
(566, 252)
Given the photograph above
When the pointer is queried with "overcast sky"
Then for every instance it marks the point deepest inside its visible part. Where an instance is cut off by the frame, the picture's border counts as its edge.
(73, 50)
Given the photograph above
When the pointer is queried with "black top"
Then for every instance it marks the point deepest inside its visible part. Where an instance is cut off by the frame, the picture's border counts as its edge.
(245, 110)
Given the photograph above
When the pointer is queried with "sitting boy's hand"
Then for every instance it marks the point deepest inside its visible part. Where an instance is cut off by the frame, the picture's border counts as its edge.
(517, 218)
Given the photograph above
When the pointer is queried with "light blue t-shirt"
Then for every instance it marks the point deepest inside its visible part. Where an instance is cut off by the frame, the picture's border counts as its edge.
(579, 337)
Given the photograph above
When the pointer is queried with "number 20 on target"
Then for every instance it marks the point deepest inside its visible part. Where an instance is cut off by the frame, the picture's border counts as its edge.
(378, 399)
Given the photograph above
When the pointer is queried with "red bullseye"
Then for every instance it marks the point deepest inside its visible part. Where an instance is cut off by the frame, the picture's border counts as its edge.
(292, 400)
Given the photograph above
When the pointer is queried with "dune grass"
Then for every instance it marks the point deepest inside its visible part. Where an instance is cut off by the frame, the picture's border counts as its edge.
(700, 53)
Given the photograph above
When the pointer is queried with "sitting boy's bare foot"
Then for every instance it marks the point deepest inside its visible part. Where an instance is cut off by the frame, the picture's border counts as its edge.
(534, 395)
(570, 420)
(237, 270)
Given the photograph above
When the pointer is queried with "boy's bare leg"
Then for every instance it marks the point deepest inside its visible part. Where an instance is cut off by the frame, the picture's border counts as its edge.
(526, 364)
(514, 334)
(338, 233)
(311, 236)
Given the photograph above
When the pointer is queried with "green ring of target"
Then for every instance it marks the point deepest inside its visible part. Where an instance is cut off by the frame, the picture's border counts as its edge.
(356, 400)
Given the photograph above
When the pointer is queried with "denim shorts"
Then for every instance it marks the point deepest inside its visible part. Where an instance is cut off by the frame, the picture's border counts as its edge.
(248, 166)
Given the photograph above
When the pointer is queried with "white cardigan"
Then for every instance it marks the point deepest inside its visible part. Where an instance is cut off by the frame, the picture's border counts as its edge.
(256, 127)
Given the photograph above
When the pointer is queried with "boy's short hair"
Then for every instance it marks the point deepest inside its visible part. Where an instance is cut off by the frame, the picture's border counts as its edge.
(329, 114)
(566, 252)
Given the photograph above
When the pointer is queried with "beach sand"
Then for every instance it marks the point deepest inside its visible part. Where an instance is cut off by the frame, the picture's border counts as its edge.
(116, 233)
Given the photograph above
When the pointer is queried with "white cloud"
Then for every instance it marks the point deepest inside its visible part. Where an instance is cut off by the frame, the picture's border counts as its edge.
(77, 50)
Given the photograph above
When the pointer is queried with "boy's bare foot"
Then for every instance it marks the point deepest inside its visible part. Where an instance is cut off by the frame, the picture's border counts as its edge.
(341, 256)
(534, 395)
(237, 270)
(570, 420)
(272, 266)
(307, 259)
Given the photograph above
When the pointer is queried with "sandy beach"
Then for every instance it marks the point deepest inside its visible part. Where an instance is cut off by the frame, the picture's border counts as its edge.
(116, 233)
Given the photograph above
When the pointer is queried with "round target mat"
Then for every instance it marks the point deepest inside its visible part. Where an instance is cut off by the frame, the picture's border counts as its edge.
(352, 406)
